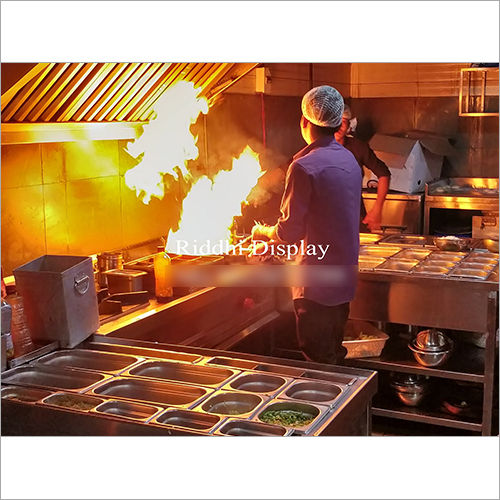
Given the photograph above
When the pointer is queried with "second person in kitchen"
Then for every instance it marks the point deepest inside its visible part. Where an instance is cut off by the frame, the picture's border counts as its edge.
(320, 205)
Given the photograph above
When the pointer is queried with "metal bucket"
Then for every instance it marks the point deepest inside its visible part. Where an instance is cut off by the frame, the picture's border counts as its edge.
(59, 298)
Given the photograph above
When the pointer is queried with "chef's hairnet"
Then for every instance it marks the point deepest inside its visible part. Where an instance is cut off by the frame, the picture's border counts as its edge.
(323, 106)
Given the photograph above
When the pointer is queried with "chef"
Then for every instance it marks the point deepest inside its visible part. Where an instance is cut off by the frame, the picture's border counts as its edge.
(366, 158)
(320, 206)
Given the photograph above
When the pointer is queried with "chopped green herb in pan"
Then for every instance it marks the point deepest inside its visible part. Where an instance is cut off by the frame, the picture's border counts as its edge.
(290, 418)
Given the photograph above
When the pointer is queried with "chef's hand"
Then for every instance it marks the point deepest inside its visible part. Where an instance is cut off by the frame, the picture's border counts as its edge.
(373, 219)
(259, 253)
(262, 232)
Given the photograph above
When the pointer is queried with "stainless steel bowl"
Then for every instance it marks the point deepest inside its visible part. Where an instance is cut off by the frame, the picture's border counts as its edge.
(429, 358)
(410, 396)
(491, 245)
(432, 341)
(452, 243)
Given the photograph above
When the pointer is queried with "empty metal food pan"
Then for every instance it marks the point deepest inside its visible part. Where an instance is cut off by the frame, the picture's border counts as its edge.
(77, 402)
(476, 265)
(226, 403)
(188, 419)
(235, 363)
(209, 376)
(257, 382)
(312, 391)
(367, 262)
(53, 378)
(338, 378)
(152, 391)
(127, 409)
(89, 360)
(236, 427)
(378, 251)
(287, 371)
(448, 256)
(469, 273)
(396, 265)
(24, 394)
(413, 253)
(439, 262)
(481, 259)
(315, 411)
(429, 268)
(369, 238)
(406, 240)
(147, 352)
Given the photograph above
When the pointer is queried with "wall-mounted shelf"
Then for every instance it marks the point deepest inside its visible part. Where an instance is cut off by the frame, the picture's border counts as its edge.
(478, 93)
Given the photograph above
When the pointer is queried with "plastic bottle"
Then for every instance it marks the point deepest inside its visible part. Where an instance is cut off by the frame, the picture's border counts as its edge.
(163, 282)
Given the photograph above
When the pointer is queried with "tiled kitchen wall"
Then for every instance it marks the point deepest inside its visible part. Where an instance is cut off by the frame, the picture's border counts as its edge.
(71, 198)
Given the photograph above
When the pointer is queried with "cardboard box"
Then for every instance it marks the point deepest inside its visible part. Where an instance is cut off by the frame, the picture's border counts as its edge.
(413, 160)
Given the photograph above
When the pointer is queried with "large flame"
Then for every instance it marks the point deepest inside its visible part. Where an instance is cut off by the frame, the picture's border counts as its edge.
(211, 205)
(166, 144)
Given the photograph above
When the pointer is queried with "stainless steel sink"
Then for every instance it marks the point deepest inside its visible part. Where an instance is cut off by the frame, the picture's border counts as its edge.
(152, 391)
(89, 360)
(52, 378)
(208, 376)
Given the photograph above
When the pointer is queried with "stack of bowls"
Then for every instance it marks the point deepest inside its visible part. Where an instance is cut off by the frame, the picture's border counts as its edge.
(431, 348)
(410, 389)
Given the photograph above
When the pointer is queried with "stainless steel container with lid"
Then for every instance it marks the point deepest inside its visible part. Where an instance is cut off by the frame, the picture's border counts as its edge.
(124, 280)
(106, 261)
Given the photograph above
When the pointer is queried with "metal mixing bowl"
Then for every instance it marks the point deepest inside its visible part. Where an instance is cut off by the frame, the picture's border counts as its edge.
(429, 358)
(452, 243)
(410, 395)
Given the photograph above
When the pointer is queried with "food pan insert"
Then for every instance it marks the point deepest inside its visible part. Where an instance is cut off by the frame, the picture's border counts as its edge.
(24, 394)
(226, 403)
(235, 427)
(53, 378)
(89, 360)
(434, 268)
(413, 253)
(378, 251)
(188, 419)
(258, 383)
(77, 402)
(129, 410)
(312, 391)
(281, 412)
(367, 262)
(234, 363)
(464, 272)
(151, 391)
(209, 376)
(396, 265)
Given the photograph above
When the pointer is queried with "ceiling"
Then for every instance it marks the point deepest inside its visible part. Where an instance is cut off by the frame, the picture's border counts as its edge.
(104, 92)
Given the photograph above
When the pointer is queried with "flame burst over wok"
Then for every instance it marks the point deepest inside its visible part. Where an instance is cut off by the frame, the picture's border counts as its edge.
(164, 151)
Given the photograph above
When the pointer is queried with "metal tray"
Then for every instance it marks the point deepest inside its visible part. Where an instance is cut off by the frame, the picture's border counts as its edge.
(377, 251)
(147, 352)
(52, 378)
(338, 378)
(398, 265)
(369, 238)
(447, 256)
(258, 383)
(317, 411)
(234, 363)
(128, 410)
(407, 240)
(429, 268)
(365, 262)
(481, 258)
(413, 253)
(287, 371)
(486, 267)
(188, 419)
(464, 272)
(151, 391)
(439, 262)
(69, 401)
(209, 376)
(242, 404)
(236, 427)
(89, 360)
(24, 394)
(312, 392)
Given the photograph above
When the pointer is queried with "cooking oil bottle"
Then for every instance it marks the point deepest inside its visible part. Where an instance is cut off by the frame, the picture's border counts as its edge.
(163, 277)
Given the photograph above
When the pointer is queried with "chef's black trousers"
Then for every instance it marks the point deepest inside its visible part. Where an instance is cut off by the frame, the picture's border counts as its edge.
(320, 330)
